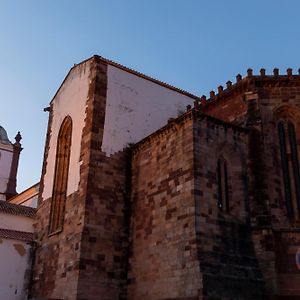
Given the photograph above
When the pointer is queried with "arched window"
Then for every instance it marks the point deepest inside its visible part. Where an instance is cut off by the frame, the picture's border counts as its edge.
(63, 150)
(222, 181)
(290, 166)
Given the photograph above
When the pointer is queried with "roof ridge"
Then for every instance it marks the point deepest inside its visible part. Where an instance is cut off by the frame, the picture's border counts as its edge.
(129, 70)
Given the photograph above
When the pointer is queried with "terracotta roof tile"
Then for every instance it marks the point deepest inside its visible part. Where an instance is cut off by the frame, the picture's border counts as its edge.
(15, 209)
(16, 235)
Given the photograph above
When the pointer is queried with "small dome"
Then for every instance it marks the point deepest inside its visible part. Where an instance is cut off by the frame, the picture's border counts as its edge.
(3, 136)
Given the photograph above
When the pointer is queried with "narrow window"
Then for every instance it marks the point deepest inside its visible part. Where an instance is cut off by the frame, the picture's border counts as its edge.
(222, 178)
(226, 200)
(295, 162)
(219, 175)
(60, 176)
(285, 168)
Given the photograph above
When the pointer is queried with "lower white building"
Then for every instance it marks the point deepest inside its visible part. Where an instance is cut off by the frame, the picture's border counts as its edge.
(16, 241)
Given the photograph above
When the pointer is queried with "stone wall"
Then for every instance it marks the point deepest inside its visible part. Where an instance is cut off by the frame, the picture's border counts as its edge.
(279, 99)
(57, 257)
(163, 261)
(260, 102)
(104, 238)
(228, 105)
(145, 222)
(227, 258)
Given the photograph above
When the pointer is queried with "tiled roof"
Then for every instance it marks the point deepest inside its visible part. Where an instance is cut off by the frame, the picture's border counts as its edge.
(15, 209)
(16, 235)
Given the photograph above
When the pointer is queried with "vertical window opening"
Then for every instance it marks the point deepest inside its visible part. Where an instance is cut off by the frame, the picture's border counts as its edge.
(285, 168)
(219, 174)
(226, 187)
(222, 178)
(295, 162)
(63, 150)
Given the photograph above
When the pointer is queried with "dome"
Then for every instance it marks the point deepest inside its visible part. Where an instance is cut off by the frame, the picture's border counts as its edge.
(3, 136)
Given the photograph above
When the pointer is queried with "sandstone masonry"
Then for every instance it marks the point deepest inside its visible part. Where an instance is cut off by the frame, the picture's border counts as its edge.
(193, 205)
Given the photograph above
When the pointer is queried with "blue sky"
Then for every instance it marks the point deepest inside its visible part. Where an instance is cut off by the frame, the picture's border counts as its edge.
(193, 44)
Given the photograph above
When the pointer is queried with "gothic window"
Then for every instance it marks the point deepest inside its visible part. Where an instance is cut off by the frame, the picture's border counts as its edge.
(60, 176)
(222, 180)
(290, 166)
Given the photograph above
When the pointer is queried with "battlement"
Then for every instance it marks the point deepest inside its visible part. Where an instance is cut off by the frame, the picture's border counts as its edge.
(249, 83)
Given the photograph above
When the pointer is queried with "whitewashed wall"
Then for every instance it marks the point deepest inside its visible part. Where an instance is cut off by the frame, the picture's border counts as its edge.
(135, 108)
(70, 101)
(32, 202)
(15, 222)
(6, 155)
(15, 258)
(14, 263)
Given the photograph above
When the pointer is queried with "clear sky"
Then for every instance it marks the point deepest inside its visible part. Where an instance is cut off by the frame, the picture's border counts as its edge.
(193, 44)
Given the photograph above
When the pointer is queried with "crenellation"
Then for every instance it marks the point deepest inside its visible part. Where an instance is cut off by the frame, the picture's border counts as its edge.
(262, 72)
(229, 84)
(289, 72)
(238, 78)
(220, 89)
(276, 72)
(249, 72)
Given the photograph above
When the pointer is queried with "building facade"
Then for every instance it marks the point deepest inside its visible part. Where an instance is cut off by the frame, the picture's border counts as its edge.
(149, 192)
(16, 247)
(16, 225)
(9, 160)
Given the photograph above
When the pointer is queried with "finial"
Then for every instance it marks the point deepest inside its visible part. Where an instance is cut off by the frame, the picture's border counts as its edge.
(238, 77)
(276, 71)
(262, 72)
(203, 100)
(220, 89)
(188, 107)
(289, 71)
(229, 84)
(299, 71)
(18, 138)
(212, 94)
(249, 72)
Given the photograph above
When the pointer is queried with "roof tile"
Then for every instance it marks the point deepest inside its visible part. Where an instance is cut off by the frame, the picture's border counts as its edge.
(16, 209)
(16, 235)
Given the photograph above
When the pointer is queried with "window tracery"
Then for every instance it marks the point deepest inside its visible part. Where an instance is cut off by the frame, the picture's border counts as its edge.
(290, 166)
(63, 151)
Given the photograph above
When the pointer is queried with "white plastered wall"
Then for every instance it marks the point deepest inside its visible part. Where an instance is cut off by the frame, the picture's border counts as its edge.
(14, 258)
(32, 202)
(135, 108)
(15, 222)
(14, 262)
(69, 101)
(6, 154)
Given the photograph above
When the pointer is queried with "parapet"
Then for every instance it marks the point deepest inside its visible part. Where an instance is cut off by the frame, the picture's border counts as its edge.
(248, 83)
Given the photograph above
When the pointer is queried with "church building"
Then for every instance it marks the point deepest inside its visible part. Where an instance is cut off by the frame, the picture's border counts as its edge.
(148, 192)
